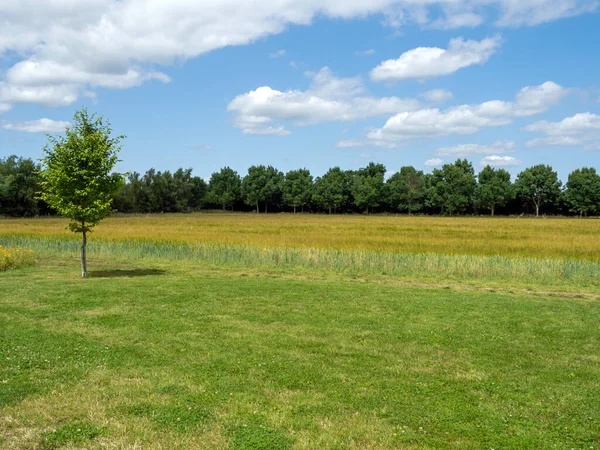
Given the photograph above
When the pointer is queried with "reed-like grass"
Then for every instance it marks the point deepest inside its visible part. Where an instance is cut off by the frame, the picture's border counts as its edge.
(427, 266)
(539, 238)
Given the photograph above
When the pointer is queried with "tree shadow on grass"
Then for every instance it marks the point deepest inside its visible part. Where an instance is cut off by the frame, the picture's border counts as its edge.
(126, 273)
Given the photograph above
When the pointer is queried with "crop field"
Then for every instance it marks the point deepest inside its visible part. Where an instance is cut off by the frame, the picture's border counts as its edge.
(237, 331)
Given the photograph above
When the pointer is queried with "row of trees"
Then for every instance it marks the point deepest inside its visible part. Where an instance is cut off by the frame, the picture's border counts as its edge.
(452, 190)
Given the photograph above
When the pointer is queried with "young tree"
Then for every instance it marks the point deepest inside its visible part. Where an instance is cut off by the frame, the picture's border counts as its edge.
(494, 188)
(538, 185)
(368, 186)
(297, 188)
(583, 191)
(453, 187)
(262, 184)
(406, 190)
(330, 190)
(224, 187)
(77, 174)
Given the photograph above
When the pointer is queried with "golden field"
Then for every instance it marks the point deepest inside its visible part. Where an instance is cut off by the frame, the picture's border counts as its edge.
(526, 237)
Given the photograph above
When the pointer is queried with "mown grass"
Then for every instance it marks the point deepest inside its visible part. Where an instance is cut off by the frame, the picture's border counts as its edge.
(540, 238)
(194, 358)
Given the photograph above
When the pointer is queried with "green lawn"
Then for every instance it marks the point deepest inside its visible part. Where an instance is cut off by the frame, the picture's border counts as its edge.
(174, 356)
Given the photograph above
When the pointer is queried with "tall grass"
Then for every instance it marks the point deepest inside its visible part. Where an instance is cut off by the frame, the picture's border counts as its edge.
(428, 266)
(543, 238)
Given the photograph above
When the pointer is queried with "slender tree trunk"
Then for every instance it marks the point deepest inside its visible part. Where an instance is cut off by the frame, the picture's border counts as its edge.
(330, 210)
(257, 210)
(492, 210)
(223, 206)
(537, 210)
(294, 209)
(84, 256)
(266, 208)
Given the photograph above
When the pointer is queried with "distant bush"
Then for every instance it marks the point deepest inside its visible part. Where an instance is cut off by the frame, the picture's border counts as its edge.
(15, 258)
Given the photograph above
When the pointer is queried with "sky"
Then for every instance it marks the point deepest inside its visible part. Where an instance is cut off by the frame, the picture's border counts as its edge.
(308, 83)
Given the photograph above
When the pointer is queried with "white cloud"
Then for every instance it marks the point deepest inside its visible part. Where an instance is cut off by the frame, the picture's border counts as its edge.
(465, 150)
(468, 119)
(582, 130)
(358, 143)
(435, 162)
(500, 161)
(123, 43)
(458, 20)
(365, 52)
(277, 54)
(437, 96)
(428, 62)
(37, 126)
(329, 99)
(4, 107)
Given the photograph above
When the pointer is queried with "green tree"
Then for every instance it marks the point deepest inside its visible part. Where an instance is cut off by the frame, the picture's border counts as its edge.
(77, 174)
(262, 184)
(406, 190)
(494, 189)
(330, 190)
(582, 194)
(297, 188)
(19, 186)
(453, 187)
(224, 187)
(538, 185)
(368, 186)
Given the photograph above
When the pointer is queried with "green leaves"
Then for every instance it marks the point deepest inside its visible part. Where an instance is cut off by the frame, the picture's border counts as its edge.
(538, 185)
(297, 187)
(77, 178)
(494, 188)
(583, 191)
(262, 184)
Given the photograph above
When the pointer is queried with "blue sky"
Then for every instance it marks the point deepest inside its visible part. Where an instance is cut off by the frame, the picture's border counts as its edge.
(301, 83)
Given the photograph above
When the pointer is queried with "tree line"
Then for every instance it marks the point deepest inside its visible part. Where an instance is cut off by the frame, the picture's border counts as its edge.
(454, 189)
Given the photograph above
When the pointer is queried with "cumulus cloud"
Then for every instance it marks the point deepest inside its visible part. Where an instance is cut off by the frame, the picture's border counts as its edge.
(466, 150)
(435, 162)
(429, 62)
(468, 119)
(500, 161)
(68, 47)
(437, 96)
(581, 130)
(37, 126)
(329, 99)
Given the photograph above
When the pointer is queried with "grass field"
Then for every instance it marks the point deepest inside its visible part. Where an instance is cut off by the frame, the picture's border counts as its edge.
(255, 340)
(544, 238)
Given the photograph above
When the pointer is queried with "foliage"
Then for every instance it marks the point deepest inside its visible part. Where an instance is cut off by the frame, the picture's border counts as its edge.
(331, 190)
(262, 184)
(582, 193)
(77, 176)
(19, 185)
(368, 186)
(494, 189)
(538, 185)
(224, 187)
(406, 190)
(297, 188)
(15, 257)
(453, 187)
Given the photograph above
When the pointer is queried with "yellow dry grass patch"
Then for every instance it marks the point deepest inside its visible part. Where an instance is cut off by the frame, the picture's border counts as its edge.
(555, 237)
